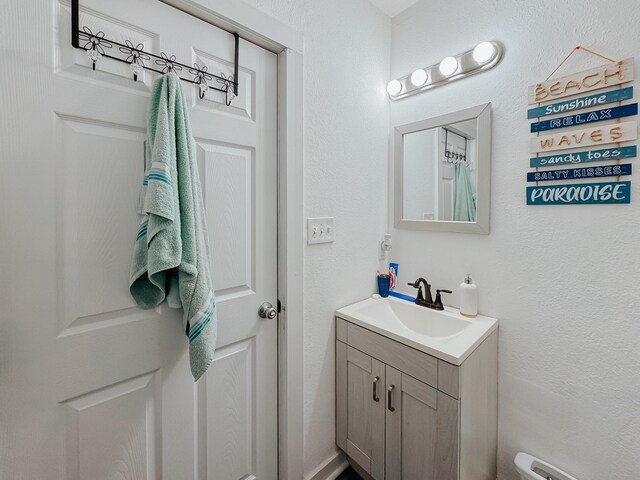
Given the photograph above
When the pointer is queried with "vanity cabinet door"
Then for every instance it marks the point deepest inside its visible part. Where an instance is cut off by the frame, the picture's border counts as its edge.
(365, 412)
(421, 430)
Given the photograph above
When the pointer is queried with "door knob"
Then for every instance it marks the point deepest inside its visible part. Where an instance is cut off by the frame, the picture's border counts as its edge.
(268, 311)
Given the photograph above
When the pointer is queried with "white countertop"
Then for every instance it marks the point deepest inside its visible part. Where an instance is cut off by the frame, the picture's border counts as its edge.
(444, 334)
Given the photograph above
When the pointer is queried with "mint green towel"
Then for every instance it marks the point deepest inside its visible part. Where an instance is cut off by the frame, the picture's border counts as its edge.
(464, 202)
(171, 252)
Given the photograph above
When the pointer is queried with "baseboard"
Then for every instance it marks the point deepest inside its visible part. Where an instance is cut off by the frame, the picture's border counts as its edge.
(331, 468)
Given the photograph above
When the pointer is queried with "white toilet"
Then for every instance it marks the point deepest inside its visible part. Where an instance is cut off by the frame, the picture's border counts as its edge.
(532, 468)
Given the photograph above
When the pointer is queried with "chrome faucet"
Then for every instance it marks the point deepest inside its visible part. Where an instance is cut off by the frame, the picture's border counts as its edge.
(428, 302)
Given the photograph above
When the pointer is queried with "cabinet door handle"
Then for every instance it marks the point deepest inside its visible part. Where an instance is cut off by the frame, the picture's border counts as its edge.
(389, 392)
(376, 398)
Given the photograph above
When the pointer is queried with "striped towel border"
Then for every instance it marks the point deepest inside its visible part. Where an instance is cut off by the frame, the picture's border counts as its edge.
(201, 319)
(142, 232)
(159, 172)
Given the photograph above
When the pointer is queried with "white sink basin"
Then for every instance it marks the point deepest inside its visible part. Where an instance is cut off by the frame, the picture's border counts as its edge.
(444, 334)
(427, 322)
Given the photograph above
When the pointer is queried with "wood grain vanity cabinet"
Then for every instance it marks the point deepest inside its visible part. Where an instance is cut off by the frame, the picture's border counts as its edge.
(402, 414)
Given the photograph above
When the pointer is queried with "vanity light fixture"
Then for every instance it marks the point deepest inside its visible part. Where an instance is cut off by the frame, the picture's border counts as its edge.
(484, 56)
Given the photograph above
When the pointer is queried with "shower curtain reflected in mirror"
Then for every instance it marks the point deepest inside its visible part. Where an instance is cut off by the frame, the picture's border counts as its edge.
(464, 204)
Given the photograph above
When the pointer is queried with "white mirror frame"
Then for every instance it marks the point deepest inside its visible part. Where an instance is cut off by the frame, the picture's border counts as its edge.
(483, 190)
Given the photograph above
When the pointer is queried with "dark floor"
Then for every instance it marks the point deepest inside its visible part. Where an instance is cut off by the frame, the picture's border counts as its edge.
(349, 474)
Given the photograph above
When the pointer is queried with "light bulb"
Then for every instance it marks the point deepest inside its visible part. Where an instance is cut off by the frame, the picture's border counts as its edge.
(419, 77)
(448, 66)
(484, 52)
(394, 87)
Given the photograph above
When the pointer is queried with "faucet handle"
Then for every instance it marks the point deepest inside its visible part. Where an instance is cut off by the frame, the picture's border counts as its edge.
(420, 295)
(437, 303)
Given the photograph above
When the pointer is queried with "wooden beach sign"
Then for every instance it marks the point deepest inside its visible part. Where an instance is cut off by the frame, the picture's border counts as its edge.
(584, 157)
(589, 101)
(597, 78)
(580, 173)
(580, 193)
(585, 118)
(586, 137)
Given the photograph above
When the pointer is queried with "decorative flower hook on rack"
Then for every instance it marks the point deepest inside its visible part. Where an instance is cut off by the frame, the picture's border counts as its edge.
(228, 87)
(95, 45)
(201, 78)
(136, 57)
(168, 64)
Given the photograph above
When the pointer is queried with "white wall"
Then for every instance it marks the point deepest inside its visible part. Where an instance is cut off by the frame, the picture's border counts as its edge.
(346, 121)
(564, 281)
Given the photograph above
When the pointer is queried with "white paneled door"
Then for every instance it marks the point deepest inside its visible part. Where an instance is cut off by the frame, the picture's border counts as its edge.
(91, 386)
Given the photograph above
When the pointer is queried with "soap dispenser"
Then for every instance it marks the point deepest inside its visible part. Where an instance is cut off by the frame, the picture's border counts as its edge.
(468, 298)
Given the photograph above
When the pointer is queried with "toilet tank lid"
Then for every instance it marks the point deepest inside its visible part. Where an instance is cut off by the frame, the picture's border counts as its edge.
(532, 468)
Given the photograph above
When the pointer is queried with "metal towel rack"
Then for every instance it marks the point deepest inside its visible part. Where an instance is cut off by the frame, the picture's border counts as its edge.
(96, 44)
(454, 157)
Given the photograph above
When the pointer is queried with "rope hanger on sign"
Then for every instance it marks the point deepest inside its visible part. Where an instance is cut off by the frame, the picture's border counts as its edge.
(579, 47)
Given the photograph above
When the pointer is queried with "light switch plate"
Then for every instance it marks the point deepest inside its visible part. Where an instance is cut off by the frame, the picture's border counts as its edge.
(320, 230)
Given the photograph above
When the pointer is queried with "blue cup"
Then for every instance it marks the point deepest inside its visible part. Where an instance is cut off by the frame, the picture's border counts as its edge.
(383, 285)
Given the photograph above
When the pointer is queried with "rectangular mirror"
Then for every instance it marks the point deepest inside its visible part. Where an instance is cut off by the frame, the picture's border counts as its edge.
(442, 172)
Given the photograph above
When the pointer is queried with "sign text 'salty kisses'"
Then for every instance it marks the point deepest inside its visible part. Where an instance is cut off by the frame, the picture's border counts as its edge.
(581, 173)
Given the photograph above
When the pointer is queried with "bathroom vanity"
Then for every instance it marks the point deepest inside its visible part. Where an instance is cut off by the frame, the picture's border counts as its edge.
(416, 391)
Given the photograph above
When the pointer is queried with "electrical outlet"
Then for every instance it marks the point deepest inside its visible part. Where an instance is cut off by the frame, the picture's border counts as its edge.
(320, 230)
